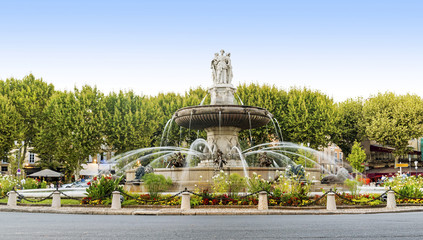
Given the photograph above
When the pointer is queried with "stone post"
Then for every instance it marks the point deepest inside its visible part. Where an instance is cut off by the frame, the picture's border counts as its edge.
(262, 204)
(11, 201)
(186, 201)
(331, 203)
(55, 203)
(390, 201)
(116, 200)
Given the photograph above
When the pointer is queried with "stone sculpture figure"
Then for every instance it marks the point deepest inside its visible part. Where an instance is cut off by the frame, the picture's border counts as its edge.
(141, 171)
(221, 68)
(178, 160)
(264, 161)
(214, 67)
(340, 177)
(219, 160)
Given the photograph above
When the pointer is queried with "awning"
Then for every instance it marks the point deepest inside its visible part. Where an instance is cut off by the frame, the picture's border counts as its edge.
(46, 173)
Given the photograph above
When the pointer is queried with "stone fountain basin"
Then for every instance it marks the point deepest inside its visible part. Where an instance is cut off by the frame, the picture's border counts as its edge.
(207, 116)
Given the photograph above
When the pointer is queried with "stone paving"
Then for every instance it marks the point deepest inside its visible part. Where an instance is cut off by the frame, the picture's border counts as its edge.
(203, 211)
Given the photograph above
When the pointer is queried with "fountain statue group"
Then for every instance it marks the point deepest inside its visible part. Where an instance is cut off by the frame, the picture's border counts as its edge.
(222, 120)
(221, 68)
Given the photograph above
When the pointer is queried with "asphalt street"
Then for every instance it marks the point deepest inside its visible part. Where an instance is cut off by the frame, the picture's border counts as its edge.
(63, 226)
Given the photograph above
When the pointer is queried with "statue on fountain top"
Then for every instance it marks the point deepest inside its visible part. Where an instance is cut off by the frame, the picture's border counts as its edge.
(222, 68)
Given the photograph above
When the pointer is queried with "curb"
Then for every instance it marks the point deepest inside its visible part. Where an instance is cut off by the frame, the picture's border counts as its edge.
(203, 211)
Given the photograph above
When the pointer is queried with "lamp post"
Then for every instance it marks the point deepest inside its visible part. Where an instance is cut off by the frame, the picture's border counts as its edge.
(409, 163)
(415, 164)
(18, 172)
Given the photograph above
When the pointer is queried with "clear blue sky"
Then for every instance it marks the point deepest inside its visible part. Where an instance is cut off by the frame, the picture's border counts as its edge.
(342, 48)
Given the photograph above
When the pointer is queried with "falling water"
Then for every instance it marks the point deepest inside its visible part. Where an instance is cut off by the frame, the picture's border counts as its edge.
(204, 99)
(180, 136)
(220, 120)
(190, 119)
(169, 129)
(164, 131)
(239, 99)
(243, 162)
(276, 129)
(280, 130)
(251, 137)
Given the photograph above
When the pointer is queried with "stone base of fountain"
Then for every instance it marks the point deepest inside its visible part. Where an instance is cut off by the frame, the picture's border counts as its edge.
(201, 177)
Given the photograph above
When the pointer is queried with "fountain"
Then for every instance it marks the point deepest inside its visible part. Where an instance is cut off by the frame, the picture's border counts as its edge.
(222, 120)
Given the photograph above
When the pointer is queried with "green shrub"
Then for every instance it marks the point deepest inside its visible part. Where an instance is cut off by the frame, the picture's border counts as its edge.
(30, 183)
(156, 184)
(407, 186)
(352, 186)
(7, 183)
(102, 188)
(256, 183)
(236, 184)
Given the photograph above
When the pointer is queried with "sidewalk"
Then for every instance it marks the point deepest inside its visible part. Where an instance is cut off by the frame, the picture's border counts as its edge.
(204, 211)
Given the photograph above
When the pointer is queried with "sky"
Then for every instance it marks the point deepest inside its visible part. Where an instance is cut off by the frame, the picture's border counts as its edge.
(345, 49)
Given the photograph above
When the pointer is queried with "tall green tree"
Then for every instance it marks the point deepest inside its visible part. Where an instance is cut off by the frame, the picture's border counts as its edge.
(29, 97)
(10, 123)
(309, 118)
(270, 98)
(394, 120)
(357, 157)
(75, 128)
(349, 124)
(131, 121)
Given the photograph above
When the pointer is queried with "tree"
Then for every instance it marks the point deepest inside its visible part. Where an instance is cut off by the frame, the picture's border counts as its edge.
(357, 157)
(309, 117)
(29, 97)
(394, 120)
(130, 121)
(270, 98)
(75, 128)
(10, 123)
(349, 124)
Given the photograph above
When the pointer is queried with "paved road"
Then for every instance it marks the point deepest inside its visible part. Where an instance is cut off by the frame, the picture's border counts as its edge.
(58, 226)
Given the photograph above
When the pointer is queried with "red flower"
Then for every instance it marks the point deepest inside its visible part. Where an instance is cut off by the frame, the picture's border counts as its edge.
(95, 179)
(88, 183)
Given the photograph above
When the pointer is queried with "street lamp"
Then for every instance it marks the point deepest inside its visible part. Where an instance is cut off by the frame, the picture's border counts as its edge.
(18, 172)
(415, 164)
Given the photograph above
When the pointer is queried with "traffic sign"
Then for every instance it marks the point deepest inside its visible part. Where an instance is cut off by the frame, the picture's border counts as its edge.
(19, 171)
(401, 165)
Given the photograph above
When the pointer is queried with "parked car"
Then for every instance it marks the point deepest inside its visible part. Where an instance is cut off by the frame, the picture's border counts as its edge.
(77, 184)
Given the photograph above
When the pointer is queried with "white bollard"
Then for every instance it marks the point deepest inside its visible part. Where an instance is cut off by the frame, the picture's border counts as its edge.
(331, 203)
(55, 203)
(11, 201)
(390, 201)
(186, 201)
(262, 204)
(116, 200)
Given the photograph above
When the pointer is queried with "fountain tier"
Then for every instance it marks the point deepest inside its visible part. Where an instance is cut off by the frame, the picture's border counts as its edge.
(209, 116)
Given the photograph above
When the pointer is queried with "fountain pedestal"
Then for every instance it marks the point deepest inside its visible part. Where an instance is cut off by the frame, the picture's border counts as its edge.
(222, 94)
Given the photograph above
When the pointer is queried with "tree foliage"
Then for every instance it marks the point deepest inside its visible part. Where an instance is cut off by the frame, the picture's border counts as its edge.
(394, 120)
(29, 96)
(10, 122)
(357, 157)
(75, 128)
(309, 117)
(349, 124)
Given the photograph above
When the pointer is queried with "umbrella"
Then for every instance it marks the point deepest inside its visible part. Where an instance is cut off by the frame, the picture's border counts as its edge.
(46, 173)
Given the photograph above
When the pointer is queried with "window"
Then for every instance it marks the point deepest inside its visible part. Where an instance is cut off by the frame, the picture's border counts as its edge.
(4, 160)
(4, 168)
(31, 158)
